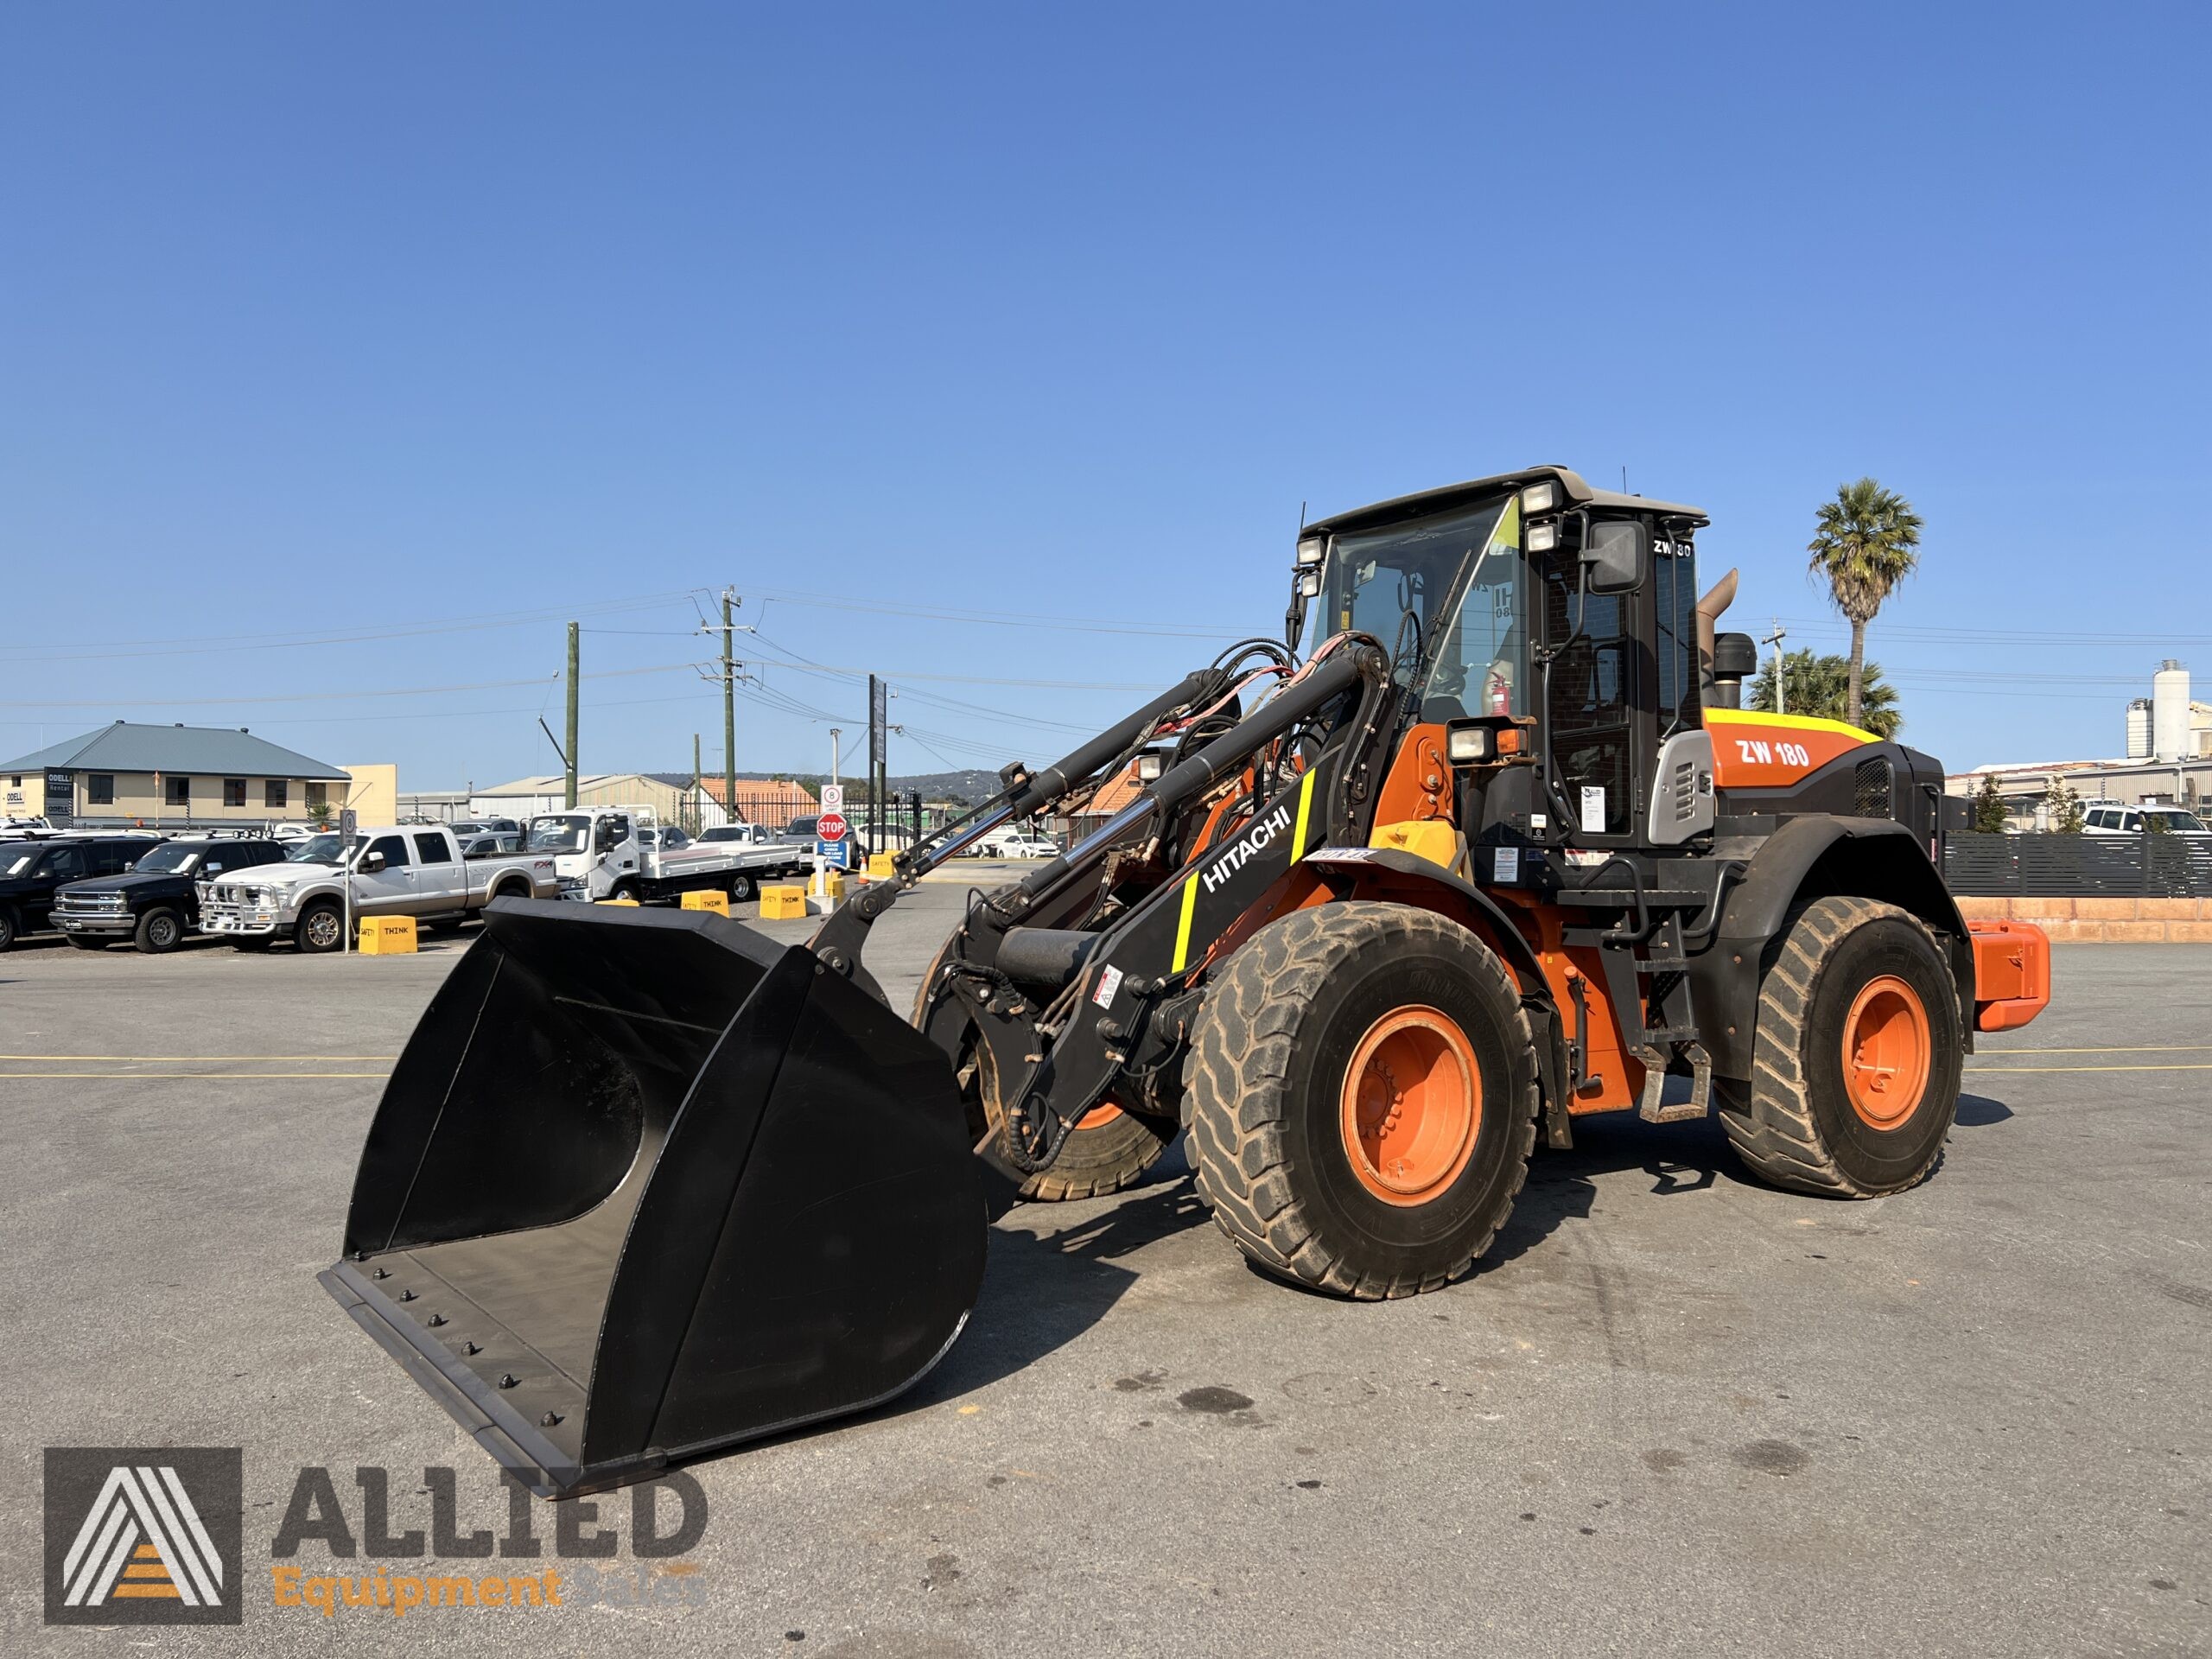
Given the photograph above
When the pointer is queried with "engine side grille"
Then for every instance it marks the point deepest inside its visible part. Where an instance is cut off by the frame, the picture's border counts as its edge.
(1870, 789)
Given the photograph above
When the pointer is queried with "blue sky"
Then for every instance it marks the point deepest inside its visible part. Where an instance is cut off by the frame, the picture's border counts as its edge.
(352, 350)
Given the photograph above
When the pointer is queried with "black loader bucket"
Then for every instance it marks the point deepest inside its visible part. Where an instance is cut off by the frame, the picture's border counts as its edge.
(645, 1183)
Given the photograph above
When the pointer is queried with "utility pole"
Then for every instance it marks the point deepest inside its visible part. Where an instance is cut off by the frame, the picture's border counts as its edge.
(835, 749)
(878, 702)
(699, 805)
(729, 712)
(574, 635)
(1780, 634)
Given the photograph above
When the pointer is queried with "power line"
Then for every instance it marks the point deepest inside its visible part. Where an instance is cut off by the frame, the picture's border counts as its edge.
(202, 645)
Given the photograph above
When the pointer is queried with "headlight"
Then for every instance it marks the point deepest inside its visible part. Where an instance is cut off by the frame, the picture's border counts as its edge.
(1310, 549)
(1539, 498)
(1541, 538)
(1471, 746)
(1309, 583)
(1149, 765)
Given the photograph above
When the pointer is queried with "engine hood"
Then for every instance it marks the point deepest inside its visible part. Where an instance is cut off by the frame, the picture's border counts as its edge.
(132, 882)
(277, 875)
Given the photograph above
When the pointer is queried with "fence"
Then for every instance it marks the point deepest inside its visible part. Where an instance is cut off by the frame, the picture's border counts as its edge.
(2079, 866)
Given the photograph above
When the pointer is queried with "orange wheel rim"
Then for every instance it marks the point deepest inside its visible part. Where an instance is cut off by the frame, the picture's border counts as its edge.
(1099, 1115)
(1412, 1105)
(1887, 1052)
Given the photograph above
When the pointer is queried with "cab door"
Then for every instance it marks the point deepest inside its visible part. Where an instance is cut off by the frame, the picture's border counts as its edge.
(441, 885)
(389, 891)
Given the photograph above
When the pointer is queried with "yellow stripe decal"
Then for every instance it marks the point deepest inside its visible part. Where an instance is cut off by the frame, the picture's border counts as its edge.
(1183, 927)
(1305, 804)
(1786, 722)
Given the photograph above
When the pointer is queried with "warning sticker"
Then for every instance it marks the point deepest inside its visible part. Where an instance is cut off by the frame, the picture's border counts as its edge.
(1505, 865)
(1593, 809)
(1109, 982)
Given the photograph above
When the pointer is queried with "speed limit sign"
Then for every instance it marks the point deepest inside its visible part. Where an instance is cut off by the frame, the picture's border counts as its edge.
(833, 797)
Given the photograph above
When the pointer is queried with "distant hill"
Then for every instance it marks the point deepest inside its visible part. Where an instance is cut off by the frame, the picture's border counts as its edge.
(972, 786)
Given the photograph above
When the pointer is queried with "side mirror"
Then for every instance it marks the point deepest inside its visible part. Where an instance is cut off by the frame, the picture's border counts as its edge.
(1615, 553)
(371, 863)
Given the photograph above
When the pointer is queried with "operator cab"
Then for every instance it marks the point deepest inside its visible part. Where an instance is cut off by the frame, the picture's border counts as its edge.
(1524, 595)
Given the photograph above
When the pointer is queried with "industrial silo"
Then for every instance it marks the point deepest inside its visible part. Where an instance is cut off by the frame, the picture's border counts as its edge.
(2138, 729)
(2170, 739)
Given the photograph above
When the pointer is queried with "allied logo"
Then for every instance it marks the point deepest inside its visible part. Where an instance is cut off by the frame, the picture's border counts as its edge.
(144, 1534)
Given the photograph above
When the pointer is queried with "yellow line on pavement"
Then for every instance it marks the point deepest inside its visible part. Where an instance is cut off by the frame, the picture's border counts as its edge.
(220, 1076)
(207, 1059)
(1996, 1070)
(2161, 1048)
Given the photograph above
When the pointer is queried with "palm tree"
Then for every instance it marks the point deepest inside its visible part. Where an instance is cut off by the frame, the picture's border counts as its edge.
(1867, 542)
(1821, 687)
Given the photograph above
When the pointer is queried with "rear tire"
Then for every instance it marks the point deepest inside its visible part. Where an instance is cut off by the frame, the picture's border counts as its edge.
(1362, 1099)
(92, 942)
(7, 930)
(1107, 1150)
(159, 932)
(740, 888)
(320, 929)
(1855, 1072)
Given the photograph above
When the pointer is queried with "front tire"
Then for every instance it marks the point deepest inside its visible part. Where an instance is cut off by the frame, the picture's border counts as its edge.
(92, 942)
(320, 929)
(1855, 1072)
(1105, 1150)
(740, 888)
(7, 930)
(159, 932)
(1362, 1099)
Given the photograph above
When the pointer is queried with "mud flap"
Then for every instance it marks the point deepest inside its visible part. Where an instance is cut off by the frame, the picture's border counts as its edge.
(644, 1184)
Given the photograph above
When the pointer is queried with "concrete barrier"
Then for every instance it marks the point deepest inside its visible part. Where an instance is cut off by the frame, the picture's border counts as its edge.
(2103, 921)
(713, 900)
(387, 936)
(782, 904)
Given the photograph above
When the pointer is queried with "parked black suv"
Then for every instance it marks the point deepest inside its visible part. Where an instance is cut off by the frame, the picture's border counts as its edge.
(158, 900)
(32, 871)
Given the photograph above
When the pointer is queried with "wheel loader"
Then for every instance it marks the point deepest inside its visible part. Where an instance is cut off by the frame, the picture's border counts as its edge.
(1503, 851)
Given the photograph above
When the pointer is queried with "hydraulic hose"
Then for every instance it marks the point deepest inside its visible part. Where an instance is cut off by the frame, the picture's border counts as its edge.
(1320, 684)
(1048, 786)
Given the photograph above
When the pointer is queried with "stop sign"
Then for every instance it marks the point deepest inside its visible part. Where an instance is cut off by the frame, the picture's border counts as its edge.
(831, 826)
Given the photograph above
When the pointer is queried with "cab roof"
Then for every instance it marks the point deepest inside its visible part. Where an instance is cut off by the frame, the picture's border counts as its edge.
(1574, 490)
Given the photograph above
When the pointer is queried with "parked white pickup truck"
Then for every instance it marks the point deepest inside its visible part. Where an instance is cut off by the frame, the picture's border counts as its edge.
(625, 852)
(391, 871)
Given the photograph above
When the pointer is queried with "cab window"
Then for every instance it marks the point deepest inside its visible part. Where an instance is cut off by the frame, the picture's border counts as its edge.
(1590, 701)
(394, 848)
(432, 848)
(1480, 657)
(64, 863)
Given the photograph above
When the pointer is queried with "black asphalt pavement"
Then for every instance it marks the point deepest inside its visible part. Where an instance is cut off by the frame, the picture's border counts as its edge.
(1673, 1412)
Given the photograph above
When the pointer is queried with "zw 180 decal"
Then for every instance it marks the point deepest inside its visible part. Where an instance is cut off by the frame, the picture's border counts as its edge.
(1752, 750)
(1757, 751)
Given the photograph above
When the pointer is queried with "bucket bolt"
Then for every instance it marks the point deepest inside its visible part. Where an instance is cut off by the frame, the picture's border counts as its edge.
(471, 1348)
(508, 1380)
(552, 1419)
(381, 1273)
(406, 1295)
(437, 1319)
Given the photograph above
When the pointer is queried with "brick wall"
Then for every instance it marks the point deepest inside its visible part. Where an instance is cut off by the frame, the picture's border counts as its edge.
(2108, 921)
